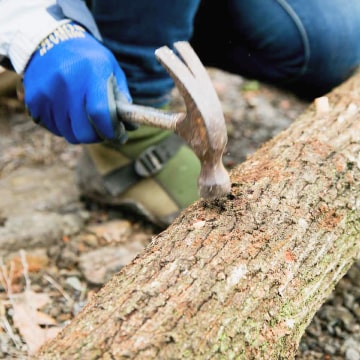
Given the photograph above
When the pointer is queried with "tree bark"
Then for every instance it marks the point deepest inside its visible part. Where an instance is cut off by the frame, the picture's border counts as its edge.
(240, 277)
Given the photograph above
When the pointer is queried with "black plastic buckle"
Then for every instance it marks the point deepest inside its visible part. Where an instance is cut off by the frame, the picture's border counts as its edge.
(149, 162)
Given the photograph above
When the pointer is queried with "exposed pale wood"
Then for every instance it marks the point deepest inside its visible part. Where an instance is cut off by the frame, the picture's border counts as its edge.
(240, 277)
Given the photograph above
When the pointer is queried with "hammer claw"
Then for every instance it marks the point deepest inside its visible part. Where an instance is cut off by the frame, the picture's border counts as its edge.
(176, 68)
(192, 61)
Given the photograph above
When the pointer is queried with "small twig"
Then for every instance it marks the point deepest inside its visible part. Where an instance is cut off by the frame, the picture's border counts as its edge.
(6, 281)
(6, 277)
(58, 287)
(7, 327)
(26, 270)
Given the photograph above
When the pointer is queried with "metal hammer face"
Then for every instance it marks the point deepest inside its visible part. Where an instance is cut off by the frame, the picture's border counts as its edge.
(203, 126)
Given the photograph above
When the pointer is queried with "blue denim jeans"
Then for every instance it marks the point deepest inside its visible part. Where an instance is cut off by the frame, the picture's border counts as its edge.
(306, 46)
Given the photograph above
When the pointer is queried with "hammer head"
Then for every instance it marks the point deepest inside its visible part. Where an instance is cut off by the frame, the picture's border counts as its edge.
(203, 127)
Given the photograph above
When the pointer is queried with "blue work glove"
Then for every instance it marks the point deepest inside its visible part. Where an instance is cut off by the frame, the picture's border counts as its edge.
(71, 84)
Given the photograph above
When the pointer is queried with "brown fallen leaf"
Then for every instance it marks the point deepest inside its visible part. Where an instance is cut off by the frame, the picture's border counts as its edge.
(115, 231)
(27, 319)
(44, 319)
(34, 261)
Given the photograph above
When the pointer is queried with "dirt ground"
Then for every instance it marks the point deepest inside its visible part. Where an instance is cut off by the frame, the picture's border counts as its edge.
(56, 250)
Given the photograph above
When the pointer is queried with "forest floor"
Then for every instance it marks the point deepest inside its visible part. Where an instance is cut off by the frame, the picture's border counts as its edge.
(56, 250)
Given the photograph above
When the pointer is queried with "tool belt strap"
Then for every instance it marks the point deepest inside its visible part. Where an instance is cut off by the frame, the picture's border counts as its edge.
(147, 164)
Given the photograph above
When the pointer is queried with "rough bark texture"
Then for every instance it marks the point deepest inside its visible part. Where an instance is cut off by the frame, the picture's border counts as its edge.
(243, 276)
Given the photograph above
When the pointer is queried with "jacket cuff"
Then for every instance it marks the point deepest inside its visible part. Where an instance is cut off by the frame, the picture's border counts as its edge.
(24, 24)
(25, 42)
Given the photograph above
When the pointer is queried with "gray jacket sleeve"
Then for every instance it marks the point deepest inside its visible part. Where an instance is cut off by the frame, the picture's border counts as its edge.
(24, 24)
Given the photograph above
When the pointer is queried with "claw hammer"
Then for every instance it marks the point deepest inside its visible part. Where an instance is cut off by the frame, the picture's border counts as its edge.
(202, 126)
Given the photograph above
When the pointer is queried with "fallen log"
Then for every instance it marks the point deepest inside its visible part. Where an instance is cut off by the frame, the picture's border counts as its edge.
(8, 81)
(240, 277)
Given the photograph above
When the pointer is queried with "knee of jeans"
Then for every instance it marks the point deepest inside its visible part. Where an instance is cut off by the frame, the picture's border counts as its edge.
(330, 38)
(269, 40)
(292, 43)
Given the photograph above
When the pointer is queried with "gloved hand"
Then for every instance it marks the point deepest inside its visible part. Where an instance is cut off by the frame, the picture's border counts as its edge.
(71, 84)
